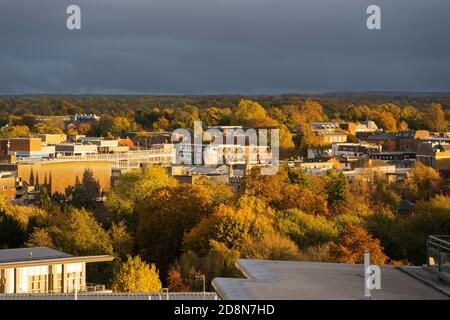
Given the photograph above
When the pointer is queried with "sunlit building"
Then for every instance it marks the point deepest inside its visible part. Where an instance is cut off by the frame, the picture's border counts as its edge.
(44, 270)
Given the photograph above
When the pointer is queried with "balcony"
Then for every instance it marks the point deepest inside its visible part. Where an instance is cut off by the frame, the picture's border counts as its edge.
(89, 287)
(438, 255)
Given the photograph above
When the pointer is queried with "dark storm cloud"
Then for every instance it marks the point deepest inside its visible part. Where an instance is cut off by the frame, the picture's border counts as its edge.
(223, 46)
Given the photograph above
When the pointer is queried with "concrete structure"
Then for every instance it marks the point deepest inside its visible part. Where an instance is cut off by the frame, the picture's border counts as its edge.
(44, 270)
(293, 280)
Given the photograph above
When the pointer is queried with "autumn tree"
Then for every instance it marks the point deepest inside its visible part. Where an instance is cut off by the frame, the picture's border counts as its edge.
(122, 241)
(16, 131)
(436, 118)
(134, 275)
(164, 218)
(230, 225)
(248, 111)
(219, 261)
(175, 281)
(423, 183)
(270, 247)
(385, 120)
(352, 244)
(131, 190)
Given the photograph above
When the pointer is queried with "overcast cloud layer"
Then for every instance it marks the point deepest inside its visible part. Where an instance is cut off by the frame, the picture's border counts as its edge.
(223, 47)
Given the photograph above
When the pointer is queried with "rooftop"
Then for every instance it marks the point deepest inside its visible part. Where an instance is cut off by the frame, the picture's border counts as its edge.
(25, 254)
(11, 258)
(314, 280)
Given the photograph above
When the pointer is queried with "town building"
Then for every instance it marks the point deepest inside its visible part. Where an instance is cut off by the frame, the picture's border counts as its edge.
(45, 270)
(319, 127)
(144, 139)
(367, 127)
(214, 154)
(392, 156)
(75, 149)
(316, 168)
(30, 148)
(435, 155)
(408, 139)
(327, 138)
(385, 139)
(354, 149)
(52, 138)
(57, 175)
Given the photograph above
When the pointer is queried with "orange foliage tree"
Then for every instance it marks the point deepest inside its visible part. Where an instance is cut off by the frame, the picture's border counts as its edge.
(354, 241)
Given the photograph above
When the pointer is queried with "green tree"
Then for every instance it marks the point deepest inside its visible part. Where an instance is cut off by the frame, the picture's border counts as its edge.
(336, 187)
(45, 201)
(84, 194)
(133, 188)
(305, 229)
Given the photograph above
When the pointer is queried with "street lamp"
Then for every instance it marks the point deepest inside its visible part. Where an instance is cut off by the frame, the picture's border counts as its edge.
(202, 276)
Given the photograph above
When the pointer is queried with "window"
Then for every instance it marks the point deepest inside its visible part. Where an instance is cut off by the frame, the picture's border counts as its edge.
(38, 283)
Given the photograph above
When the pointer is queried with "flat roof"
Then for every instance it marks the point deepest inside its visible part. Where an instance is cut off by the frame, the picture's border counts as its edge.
(293, 280)
(10, 258)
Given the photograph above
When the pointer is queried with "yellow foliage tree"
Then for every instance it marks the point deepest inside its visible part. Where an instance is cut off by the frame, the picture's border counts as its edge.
(134, 275)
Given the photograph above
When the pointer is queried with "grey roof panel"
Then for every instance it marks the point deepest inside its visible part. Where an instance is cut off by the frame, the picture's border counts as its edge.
(313, 280)
(29, 254)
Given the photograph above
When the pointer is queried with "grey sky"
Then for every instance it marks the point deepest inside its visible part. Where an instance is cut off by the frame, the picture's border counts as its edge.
(223, 47)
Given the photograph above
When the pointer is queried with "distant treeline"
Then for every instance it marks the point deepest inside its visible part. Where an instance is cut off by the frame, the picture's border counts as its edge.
(119, 105)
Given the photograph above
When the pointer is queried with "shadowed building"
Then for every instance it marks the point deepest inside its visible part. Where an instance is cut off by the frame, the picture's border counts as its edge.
(58, 175)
